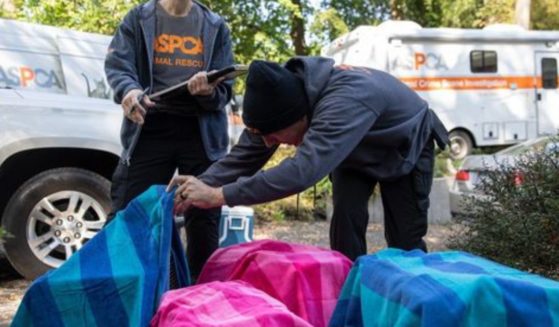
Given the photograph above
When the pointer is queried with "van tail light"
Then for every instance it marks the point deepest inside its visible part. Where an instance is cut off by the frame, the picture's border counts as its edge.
(462, 175)
(518, 178)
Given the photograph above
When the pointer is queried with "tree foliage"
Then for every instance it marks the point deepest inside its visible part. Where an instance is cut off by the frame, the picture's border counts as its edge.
(326, 26)
(359, 12)
(443, 13)
(545, 14)
(260, 28)
(278, 29)
(97, 16)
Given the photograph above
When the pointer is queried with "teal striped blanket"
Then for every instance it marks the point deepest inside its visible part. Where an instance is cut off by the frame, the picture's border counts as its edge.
(118, 277)
(398, 288)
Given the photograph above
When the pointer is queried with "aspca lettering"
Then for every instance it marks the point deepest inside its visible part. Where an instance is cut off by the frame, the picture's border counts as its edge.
(430, 61)
(189, 45)
(26, 76)
(419, 60)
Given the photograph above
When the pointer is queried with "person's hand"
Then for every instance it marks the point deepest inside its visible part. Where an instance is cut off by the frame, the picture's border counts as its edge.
(132, 108)
(198, 84)
(193, 192)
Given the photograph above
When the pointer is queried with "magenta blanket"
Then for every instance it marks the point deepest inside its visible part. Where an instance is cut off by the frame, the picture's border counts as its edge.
(307, 279)
(223, 304)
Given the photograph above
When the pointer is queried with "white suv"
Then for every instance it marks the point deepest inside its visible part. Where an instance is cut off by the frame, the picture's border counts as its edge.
(59, 142)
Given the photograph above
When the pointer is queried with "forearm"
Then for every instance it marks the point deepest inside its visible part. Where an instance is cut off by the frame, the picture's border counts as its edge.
(245, 159)
(292, 176)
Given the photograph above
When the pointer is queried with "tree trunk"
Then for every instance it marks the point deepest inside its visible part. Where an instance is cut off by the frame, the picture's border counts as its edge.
(522, 13)
(298, 31)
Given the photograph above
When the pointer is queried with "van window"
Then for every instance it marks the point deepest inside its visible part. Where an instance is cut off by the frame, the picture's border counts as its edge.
(483, 61)
(549, 73)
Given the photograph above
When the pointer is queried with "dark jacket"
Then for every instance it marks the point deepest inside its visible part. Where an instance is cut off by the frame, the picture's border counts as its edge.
(129, 65)
(362, 119)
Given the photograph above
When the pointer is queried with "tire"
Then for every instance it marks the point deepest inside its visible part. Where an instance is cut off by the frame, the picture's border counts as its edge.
(51, 216)
(461, 144)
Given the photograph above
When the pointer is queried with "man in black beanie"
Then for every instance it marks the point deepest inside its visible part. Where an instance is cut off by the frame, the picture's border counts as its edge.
(360, 126)
(279, 91)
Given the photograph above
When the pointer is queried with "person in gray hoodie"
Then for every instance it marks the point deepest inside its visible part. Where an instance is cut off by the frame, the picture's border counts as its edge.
(358, 125)
(159, 44)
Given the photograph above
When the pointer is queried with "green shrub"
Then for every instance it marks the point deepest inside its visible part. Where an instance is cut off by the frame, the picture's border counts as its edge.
(308, 208)
(444, 166)
(516, 221)
(3, 235)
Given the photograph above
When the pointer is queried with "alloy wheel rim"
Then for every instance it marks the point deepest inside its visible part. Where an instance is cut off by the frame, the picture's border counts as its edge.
(61, 223)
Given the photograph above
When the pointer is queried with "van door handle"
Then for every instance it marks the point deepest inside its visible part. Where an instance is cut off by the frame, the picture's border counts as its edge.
(539, 97)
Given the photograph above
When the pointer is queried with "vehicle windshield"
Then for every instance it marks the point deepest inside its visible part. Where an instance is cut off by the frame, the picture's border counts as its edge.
(537, 145)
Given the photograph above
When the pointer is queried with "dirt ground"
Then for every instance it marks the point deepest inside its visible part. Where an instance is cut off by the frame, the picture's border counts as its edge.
(12, 286)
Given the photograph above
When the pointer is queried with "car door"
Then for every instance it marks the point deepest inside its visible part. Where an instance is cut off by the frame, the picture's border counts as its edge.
(547, 92)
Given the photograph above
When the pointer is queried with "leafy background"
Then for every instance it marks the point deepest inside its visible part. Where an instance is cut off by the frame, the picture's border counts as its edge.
(278, 29)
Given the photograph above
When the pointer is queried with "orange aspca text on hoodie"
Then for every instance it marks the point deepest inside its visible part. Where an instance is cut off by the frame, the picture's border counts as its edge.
(168, 43)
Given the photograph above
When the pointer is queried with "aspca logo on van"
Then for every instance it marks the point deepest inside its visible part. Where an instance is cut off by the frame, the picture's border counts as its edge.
(419, 60)
(24, 76)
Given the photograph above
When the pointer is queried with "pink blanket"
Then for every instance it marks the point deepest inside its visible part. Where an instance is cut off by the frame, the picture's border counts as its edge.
(305, 278)
(228, 304)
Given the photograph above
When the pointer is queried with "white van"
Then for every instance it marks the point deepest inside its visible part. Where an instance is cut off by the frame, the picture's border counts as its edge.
(494, 86)
(54, 60)
(59, 142)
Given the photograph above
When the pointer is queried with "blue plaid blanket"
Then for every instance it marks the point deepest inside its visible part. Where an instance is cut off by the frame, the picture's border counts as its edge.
(398, 288)
(118, 277)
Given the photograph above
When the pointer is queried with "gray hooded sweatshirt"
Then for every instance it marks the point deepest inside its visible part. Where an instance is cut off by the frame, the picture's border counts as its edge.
(361, 119)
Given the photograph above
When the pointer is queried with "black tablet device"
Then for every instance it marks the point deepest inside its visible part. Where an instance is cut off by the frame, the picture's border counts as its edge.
(228, 72)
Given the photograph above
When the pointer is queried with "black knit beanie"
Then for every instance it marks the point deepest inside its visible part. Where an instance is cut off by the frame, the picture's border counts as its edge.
(274, 99)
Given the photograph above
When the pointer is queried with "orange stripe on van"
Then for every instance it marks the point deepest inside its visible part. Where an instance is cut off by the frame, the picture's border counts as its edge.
(472, 83)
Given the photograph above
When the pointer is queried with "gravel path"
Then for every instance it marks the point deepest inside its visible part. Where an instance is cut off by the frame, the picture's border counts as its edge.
(11, 291)
(316, 233)
(12, 286)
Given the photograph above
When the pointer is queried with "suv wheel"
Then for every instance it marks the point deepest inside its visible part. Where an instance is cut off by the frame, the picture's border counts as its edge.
(53, 215)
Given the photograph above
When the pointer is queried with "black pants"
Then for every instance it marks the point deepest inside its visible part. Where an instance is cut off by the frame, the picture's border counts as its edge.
(168, 142)
(405, 202)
